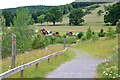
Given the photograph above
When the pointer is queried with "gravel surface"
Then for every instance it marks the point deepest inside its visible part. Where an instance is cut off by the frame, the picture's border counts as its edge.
(82, 66)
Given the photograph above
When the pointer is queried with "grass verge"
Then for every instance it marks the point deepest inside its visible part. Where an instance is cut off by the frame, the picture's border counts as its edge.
(109, 68)
(45, 67)
(102, 48)
(30, 56)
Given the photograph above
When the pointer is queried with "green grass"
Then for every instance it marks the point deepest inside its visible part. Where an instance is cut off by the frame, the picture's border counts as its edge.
(91, 20)
(109, 68)
(73, 28)
(101, 48)
(27, 57)
(45, 67)
(105, 49)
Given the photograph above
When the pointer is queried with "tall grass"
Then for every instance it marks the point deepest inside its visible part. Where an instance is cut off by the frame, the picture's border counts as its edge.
(101, 48)
(45, 67)
(30, 56)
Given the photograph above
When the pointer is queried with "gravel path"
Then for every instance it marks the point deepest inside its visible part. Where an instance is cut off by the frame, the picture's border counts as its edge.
(82, 66)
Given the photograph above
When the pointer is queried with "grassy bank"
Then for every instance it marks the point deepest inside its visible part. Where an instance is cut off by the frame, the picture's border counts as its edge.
(45, 67)
(106, 49)
(109, 68)
(30, 56)
(102, 48)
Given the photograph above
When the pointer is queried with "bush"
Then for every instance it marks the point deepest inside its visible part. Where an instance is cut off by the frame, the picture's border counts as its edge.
(111, 34)
(59, 40)
(84, 38)
(39, 42)
(101, 33)
(95, 37)
(6, 43)
(68, 40)
(80, 35)
(23, 42)
(89, 33)
(71, 40)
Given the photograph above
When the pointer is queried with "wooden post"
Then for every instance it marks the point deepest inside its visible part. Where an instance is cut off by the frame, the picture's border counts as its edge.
(13, 50)
(48, 60)
(36, 66)
(118, 52)
(56, 56)
(64, 41)
(22, 73)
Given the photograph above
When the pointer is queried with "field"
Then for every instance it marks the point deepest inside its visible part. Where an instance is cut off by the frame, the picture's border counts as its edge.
(91, 20)
(102, 48)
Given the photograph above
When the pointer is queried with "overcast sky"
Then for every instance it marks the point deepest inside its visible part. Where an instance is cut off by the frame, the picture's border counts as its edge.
(17, 3)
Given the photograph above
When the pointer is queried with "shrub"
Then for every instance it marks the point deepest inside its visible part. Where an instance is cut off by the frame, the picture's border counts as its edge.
(39, 42)
(23, 42)
(51, 39)
(59, 40)
(6, 43)
(68, 40)
(80, 35)
(101, 33)
(71, 40)
(84, 38)
(89, 33)
(95, 37)
(111, 34)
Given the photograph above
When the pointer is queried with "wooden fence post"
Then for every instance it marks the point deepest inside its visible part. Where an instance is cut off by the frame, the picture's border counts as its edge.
(64, 41)
(36, 66)
(48, 60)
(13, 50)
(22, 73)
(56, 56)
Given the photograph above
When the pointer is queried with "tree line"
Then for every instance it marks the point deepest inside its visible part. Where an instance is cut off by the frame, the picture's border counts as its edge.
(46, 12)
(55, 14)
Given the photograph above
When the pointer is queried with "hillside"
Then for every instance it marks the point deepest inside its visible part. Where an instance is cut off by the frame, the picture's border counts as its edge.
(43, 7)
(30, 8)
(94, 19)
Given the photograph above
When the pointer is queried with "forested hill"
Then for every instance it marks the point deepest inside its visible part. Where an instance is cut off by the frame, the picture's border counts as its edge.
(38, 11)
(43, 7)
(84, 4)
(30, 8)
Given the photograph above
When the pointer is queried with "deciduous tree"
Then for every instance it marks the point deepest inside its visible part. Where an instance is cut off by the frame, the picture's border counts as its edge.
(113, 14)
(75, 17)
(41, 19)
(54, 15)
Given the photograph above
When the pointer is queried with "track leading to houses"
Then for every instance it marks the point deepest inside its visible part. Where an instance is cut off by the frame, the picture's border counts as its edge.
(82, 66)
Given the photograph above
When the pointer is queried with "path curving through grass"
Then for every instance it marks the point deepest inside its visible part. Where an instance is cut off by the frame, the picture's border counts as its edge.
(82, 66)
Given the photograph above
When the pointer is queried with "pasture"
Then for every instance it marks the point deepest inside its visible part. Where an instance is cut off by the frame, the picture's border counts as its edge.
(91, 20)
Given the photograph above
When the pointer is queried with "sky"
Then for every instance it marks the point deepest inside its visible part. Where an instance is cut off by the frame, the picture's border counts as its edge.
(17, 3)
